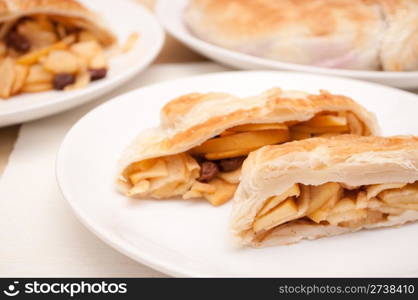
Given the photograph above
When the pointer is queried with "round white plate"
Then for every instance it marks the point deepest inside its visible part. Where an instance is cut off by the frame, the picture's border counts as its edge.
(170, 13)
(123, 17)
(191, 238)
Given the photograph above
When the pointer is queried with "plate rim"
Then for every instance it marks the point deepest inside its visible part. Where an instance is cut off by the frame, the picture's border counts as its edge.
(150, 260)
(190, 40)
(77, 98)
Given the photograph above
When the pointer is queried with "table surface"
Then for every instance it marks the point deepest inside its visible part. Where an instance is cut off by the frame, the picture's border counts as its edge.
(172, 52)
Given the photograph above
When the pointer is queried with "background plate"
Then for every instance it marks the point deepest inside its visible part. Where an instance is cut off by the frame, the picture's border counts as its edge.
(191, 238)
(170, 14)
(123, 17)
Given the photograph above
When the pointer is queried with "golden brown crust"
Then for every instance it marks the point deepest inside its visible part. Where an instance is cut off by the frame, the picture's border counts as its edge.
(340, 148)
(276, 104)
(11, 9)
(348, 34)
(252, 17)
(182, 105)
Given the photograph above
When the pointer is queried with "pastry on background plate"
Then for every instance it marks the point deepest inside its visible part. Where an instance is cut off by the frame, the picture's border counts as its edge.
(50, 44)
(323, 187)
(202, 140)
(344, 34)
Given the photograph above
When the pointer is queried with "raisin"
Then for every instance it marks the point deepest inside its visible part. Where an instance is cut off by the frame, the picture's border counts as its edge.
(96, 74)
(208, 171)
(17, 41)
(231, 164)
(72, 30)
(62, 80)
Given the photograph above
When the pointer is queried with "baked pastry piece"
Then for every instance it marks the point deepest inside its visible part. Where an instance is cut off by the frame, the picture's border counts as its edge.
(203, 139)
(347, 34)
(50, 44)
(323, 187)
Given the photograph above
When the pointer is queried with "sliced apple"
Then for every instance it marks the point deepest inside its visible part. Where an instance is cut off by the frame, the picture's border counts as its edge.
(37, 74)
(323, 198)
(326, 135)
(347, 216)
(319, 215)
(245, 140)
(347, 210)
(34, 56)
(192, 194)
(231, 177)
(304, 198)
(140, 166)
(344, 205)
(159, 169)
(322, 194)
(227, 132)
(8, 74)
(229, 154)
(325, 129)
(36, 87)
(223, 192)
(140, 189)
(406, 206)
(326, 120)
(375, 189)
(355, 125)
(274, 201)
(298, 135)
(21, 73)
(362, 200)
(257, 127)
(203, 187)
(277, 216)
(405, 195)
(165, 190)
(86, 50)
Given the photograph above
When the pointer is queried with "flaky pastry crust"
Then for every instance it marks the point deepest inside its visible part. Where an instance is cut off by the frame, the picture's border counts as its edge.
(190, 120)
(346, 159)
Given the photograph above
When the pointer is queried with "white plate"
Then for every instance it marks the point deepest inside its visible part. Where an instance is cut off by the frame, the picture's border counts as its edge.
(124, 18)
(191, 238)
(170, 13)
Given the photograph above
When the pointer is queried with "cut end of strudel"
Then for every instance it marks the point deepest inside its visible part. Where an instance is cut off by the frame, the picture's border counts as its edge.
(323, 187)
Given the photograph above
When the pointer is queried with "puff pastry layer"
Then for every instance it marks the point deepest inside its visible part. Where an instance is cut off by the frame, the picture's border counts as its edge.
(322, 187)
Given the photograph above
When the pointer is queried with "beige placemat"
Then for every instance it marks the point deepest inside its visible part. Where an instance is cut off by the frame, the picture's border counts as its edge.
(172, 52)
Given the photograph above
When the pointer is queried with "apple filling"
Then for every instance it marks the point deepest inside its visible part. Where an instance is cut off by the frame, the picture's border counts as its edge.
(335, 204)
(214, 167)
(40, 53)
